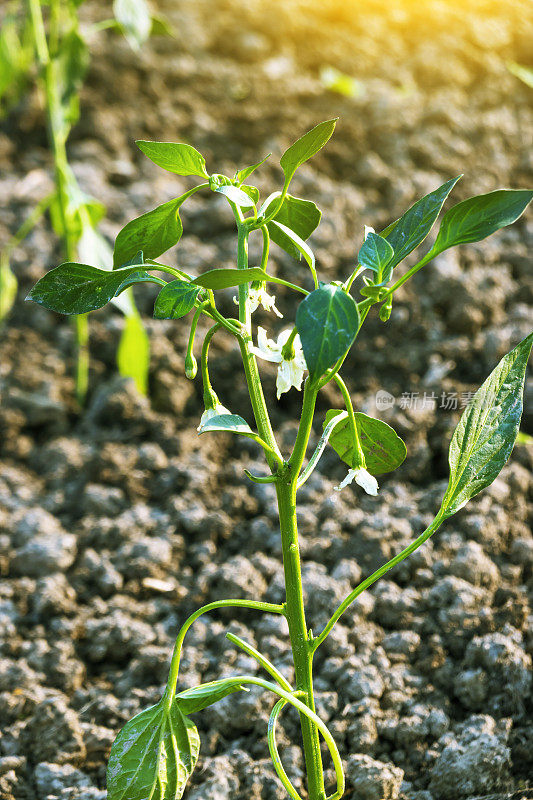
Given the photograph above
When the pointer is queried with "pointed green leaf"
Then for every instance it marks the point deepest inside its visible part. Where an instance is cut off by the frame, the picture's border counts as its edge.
(134, 19)
(192, 700)
(133, 355)
(383, 448)
(327, 321)
(242, 174)
(301, 216)
(306, 147)
(487, 431)
(176, 157)
(78, 288)
(226, 277)
(297, 244)
(175, 300)
(411, 229)
(376, 253)
(476, 218)
(231, 423)
(154, 232)
(153, 756)
(235, 195)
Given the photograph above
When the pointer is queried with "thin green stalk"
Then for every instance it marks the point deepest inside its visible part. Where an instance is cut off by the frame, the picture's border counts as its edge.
(261, 659)
(351, 416)
(273, 749)
(409, 274)
(255, 605)
(266, 247)
(435, 525)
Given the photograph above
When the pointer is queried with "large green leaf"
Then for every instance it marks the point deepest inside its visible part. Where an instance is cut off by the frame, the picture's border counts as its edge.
(192, 700)
(175, 300)
(383, 448)
(300, 216)
(78, 288)
(133, 355)
(153, 756)
(306, 147)
(327, 321)
(179, 158)
(487, 431)
(135, 20)
(411, 229)
(476, 218)
(375, 254)
(154, 232)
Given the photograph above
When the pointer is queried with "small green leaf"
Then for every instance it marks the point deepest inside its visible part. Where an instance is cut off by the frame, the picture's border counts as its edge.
(242, 174)
(327, 321)
(375, 254)
(153, 756)
(175, 300)
(306, 147)
(78, 288)
(487, 431)
(231, 423)
(235, 195)
(251, 191)
(154, 232)
(411, 229)
(193, 700)
(133, 355)
(226, 277)
(176, 157)
(476, 218)
(301, 216)
(383, 448)
(298, 244)
(134, 19)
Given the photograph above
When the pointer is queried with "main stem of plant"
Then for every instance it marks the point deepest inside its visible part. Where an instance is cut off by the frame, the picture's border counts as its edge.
(286, 487)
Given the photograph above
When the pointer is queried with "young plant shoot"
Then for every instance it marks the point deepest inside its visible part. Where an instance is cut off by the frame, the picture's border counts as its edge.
(156, 752)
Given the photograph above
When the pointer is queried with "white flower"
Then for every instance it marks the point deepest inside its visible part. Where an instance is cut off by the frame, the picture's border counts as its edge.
(209, 413)
(290, 371)
(368, 230)
(363, 478)
(260, 297)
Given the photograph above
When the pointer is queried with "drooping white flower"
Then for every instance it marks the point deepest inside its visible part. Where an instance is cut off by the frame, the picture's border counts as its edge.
(368, 230)
(290, 371)
(361, 476)
(260, 297)
(209, 413)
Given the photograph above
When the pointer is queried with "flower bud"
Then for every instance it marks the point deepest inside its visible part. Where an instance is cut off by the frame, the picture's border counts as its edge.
(191, 367)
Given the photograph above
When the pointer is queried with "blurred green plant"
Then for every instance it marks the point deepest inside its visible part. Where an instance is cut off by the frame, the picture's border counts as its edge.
(339, 82)
(44, 41)
(525, 74)
(155, 753)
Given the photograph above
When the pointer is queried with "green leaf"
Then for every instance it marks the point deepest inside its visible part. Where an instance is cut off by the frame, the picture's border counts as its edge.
(327, 321)
(179, 158)
(251, 191)
(301, 216)
(79, 288)
(175, 300)
(487, 431)
(525, 74)
(476, 218)
(375, 254)
(306, 147)
(383, 448)
(411, 229)
(242, 174)
(298, 244)
(154, 232)
(134, 19)
(226, 277)
(193, 700)
(231, 423)
(235, 195)
(133, 355)
(153, 756)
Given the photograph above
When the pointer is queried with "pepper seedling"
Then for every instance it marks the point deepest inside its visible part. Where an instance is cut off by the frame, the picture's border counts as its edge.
(156, 752)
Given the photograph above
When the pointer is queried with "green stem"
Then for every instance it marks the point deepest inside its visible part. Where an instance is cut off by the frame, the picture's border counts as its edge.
(210, 396)
(435, 525)
(353, 424)
(255, 605)
(273, 749)
(266, 247)
(410, 272)
(261, 659)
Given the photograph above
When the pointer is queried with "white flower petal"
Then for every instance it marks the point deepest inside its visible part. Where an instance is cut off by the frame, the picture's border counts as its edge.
(209, 413)
(348, 479)
(367, 482)
(368, 230)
